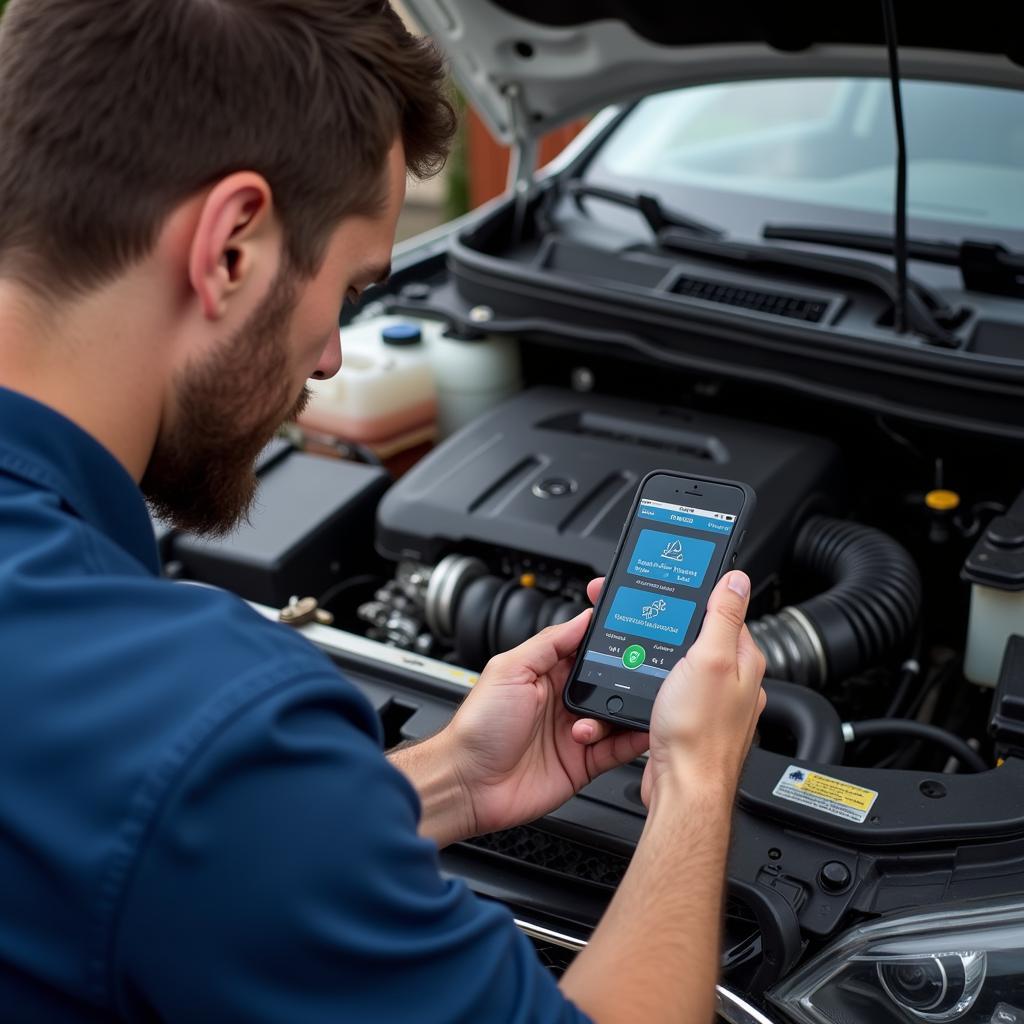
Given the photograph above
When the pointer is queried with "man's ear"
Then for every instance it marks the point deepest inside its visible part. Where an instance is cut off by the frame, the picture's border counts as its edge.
(236, 243)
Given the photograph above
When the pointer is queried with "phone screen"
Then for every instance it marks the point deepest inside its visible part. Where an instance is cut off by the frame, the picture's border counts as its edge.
(653, 602)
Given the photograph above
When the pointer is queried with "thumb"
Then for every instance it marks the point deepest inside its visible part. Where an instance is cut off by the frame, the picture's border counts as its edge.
(727, 608)
(541, 653)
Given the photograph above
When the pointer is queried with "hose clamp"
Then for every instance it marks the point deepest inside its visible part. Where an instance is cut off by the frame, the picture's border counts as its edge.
(813, 639)
(450, 577)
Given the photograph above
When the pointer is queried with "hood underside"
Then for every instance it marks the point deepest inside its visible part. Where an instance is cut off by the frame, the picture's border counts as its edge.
(529, 65)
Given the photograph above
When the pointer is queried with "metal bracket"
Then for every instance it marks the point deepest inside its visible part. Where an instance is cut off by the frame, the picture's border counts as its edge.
(300, 612)
(523, 163)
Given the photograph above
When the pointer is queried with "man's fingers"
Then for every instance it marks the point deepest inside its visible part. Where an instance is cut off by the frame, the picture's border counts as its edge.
(590, 730)
(617, 749)
(727, 608)
(608, 748)
(594, 589)
(566, 637)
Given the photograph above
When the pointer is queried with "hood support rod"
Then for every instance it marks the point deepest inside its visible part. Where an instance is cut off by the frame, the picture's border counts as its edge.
(900, 233)
(523, 162)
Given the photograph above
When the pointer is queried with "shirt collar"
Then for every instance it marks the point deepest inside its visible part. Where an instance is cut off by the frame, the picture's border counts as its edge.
(42, 447)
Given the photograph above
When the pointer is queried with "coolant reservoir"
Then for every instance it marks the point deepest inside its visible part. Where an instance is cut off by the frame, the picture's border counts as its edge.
(384, 389)
(473, 375)
(995, 569)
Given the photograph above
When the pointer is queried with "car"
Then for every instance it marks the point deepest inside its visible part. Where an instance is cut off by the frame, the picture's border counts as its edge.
(741, 269)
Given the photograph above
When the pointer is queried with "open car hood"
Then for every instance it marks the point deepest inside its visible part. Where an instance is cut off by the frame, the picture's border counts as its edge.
(529, 65)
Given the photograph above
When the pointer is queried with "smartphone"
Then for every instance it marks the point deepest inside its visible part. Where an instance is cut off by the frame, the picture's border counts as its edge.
(682, 534)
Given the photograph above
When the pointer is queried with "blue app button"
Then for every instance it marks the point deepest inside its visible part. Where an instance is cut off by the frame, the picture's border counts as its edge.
(664, 556)
(651, 615)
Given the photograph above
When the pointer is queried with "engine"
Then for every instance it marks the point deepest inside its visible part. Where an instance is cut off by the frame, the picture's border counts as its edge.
(497, 532)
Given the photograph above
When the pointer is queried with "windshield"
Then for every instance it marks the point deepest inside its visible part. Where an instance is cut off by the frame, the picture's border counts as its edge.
(822, 151)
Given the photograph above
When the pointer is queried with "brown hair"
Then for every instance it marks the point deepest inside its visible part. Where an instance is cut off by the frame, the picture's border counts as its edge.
(114, 111)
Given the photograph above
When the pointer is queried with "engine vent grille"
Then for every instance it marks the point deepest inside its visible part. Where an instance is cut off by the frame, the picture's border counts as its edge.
(665, 436)
(793, 307)
(543, 850)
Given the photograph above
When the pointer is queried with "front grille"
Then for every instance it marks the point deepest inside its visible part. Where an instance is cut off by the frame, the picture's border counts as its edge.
(530, 845)
(743, 945)
(554, 957)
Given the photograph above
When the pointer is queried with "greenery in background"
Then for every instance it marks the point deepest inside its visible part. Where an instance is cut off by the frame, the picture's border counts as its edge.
(457, 197)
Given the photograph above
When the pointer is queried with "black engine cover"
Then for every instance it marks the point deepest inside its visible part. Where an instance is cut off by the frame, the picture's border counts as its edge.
(551, 474)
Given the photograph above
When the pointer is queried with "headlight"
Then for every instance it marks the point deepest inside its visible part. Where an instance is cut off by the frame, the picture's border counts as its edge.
(936, 988)
(961, 963)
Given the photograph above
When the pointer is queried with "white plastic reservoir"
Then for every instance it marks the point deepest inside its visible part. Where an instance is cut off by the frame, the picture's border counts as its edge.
(995, 616)
(385, 386)
(472, 375)
(995, 569)
(401, 373)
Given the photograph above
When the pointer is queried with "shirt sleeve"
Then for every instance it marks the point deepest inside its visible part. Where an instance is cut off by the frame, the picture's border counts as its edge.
(283, 881)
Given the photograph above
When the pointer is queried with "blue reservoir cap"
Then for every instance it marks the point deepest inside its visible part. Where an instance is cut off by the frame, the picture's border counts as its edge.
(400, 334)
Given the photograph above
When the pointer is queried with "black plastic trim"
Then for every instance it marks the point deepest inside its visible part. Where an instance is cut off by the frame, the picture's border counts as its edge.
(976, 808)
(885, 374)
(919, 391)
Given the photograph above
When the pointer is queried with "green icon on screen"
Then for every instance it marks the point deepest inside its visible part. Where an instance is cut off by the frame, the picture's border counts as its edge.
(634, 656)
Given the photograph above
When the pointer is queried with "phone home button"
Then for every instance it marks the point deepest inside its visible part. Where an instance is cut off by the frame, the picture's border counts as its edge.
(614, 705)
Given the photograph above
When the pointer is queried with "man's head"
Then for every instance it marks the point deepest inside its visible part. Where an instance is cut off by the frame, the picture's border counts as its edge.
(242, 162)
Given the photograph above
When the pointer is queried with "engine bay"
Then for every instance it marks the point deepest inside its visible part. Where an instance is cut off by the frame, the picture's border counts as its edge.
(884, 558)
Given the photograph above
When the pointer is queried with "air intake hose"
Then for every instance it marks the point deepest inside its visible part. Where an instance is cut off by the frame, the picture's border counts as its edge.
(809, 717)
(866, 613)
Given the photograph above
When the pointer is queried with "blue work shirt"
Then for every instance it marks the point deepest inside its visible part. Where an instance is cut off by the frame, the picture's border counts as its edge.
(197, 822)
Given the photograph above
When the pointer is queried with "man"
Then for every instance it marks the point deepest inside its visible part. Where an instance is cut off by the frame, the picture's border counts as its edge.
(196, 820)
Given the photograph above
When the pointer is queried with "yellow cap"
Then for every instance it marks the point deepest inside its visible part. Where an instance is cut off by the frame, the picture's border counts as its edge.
(942, 501)
(527, 580)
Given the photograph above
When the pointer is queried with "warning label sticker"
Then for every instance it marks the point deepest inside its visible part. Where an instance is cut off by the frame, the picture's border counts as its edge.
(824, 793)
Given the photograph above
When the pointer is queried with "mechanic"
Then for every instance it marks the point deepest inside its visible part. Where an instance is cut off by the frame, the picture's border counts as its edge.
(197, 822)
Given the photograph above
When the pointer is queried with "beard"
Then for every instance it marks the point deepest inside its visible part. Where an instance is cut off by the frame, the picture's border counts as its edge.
(201, 476)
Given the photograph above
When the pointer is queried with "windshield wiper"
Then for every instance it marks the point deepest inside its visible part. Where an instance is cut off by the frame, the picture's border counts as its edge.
(984, 266)
(926, 312)
(649, 207)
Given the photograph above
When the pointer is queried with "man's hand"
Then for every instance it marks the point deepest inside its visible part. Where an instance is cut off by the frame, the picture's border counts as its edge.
(670, 901)
(513, 752)
(706, 710)
(517, 751)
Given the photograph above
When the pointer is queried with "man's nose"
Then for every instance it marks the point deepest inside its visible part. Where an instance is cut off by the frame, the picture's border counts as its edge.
(330, 359)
